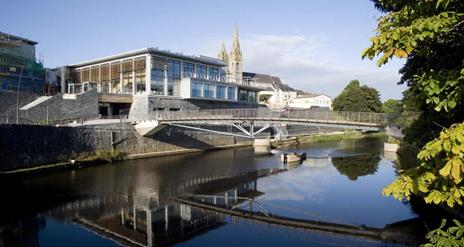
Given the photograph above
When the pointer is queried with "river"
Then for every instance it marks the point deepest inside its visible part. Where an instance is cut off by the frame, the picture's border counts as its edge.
(134, 203)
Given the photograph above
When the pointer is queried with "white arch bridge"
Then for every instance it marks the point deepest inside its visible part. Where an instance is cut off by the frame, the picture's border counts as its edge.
(251, 122)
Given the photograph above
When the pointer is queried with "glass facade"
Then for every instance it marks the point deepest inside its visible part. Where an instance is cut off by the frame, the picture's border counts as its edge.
(127, 81)
(115, 77)
(242, 95)
(231, 93)
(251, 96)
(201, 71)
(129, 77)
(220, 92)
(196, 89)
(140, 81)
(188, 69)
(213, 73)
(173, 78)
(208, 91)
(157, 75)
(247, 96)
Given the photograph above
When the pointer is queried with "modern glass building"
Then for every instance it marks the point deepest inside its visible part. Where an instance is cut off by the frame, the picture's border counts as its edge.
(156, 73)
(17, 61)
(152, 71)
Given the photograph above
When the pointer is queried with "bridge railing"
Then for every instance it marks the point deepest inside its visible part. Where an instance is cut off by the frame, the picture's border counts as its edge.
(364, 118)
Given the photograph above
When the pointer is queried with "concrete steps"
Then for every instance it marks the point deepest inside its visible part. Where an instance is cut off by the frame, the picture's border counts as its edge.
(35, 102)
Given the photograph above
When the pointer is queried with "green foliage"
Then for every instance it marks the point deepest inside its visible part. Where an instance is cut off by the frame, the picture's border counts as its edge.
(393, 108)
(439, 178)
(453, 236)
(108, 156)
(430, 34)
(358, 98)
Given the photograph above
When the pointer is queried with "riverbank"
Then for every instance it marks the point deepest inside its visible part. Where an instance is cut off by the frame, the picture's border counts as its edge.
(94, 160)
(30, 148)
(42, 149)
(325, 137)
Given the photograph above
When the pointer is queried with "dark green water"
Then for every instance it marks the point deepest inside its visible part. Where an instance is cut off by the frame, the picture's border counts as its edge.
(131, 202)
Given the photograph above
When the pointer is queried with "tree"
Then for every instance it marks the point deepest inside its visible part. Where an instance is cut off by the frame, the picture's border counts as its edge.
(430, 35)
(372, 99)
(358, 98)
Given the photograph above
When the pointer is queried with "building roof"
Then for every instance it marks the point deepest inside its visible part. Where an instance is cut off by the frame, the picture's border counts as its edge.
(154, 51)
(310, 95)
(13, 38)
(269, 79)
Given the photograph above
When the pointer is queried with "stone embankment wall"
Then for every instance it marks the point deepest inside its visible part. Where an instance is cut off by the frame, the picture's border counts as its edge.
(57, 108)
(23, 146)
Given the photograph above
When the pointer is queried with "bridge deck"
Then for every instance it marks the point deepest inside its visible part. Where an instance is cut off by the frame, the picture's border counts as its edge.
(372, 233)
(262, 117)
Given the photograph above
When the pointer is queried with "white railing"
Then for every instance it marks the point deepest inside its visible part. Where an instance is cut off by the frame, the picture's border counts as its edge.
(334, 117)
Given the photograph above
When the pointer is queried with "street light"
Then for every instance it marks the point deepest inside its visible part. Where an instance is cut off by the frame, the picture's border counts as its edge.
(17, 95)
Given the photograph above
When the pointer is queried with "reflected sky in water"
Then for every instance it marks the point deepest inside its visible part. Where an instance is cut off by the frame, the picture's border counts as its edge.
(131, 202)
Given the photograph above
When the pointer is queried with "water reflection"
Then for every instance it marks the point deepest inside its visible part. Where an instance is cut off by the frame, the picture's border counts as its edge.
(134, 203)
(357, 166)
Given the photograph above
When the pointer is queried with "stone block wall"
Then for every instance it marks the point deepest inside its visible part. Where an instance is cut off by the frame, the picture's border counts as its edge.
(57, 108)
(23, 146)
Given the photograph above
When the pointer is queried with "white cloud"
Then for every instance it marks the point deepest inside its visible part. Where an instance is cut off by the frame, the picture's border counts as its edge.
(312, 64)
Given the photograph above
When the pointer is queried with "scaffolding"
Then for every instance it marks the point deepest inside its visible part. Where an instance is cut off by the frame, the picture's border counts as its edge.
(13, 64)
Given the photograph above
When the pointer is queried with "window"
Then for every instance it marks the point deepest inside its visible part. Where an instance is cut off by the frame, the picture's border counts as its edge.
(157, 75)
(115, 77)
(188, 69)
(127, 78)
(242, 95)
(252, 96)
(201, 71)
(220, 92)
(139, 67)
(196, 89)
(208, 91)
(71, 88)
(140, 81)
(213, 73)
(85, 87)
(231, 93)
(173, 77)
(127, 81)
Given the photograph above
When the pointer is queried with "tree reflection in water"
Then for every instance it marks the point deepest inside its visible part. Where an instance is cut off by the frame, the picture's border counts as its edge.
(357, 166)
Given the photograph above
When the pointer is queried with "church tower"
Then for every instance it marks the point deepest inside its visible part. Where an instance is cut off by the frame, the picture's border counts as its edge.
(235, 60)
(222, 55)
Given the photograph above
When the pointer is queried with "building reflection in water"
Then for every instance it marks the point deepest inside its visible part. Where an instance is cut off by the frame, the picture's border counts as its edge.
(138, 219)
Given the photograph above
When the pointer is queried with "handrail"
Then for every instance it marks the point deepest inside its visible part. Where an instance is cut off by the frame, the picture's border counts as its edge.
(250, 200)
(364, 118)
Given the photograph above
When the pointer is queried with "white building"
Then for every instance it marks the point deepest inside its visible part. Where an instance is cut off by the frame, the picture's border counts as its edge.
(311, 101)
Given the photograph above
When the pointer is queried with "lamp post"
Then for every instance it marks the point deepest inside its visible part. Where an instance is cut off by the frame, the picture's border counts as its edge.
(17, 95)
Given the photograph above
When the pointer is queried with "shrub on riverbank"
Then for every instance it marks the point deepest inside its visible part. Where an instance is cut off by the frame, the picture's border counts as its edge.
(103, 155)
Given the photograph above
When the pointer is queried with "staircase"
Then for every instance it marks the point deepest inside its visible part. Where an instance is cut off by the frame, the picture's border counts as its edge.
(35, 102)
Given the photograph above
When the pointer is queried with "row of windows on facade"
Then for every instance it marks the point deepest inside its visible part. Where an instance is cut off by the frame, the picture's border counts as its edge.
(172, 68)
(205, 90)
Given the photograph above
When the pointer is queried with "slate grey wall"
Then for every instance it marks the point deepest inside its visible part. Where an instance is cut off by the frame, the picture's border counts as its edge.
(24, 146)
(86, 105)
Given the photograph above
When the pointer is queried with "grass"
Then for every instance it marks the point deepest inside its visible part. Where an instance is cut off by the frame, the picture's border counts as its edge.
(337, 137)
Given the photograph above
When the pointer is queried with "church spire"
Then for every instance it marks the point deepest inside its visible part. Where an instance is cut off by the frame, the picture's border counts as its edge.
(222, 55)
(236, 52)
(235, 60)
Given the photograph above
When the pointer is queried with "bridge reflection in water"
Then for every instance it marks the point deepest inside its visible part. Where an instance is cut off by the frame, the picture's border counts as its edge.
(198, 206)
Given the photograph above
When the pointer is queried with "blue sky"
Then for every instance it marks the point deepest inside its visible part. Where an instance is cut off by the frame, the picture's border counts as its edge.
(313, 45)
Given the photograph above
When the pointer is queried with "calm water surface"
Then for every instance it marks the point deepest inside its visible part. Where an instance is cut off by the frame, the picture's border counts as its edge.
(132, 203)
